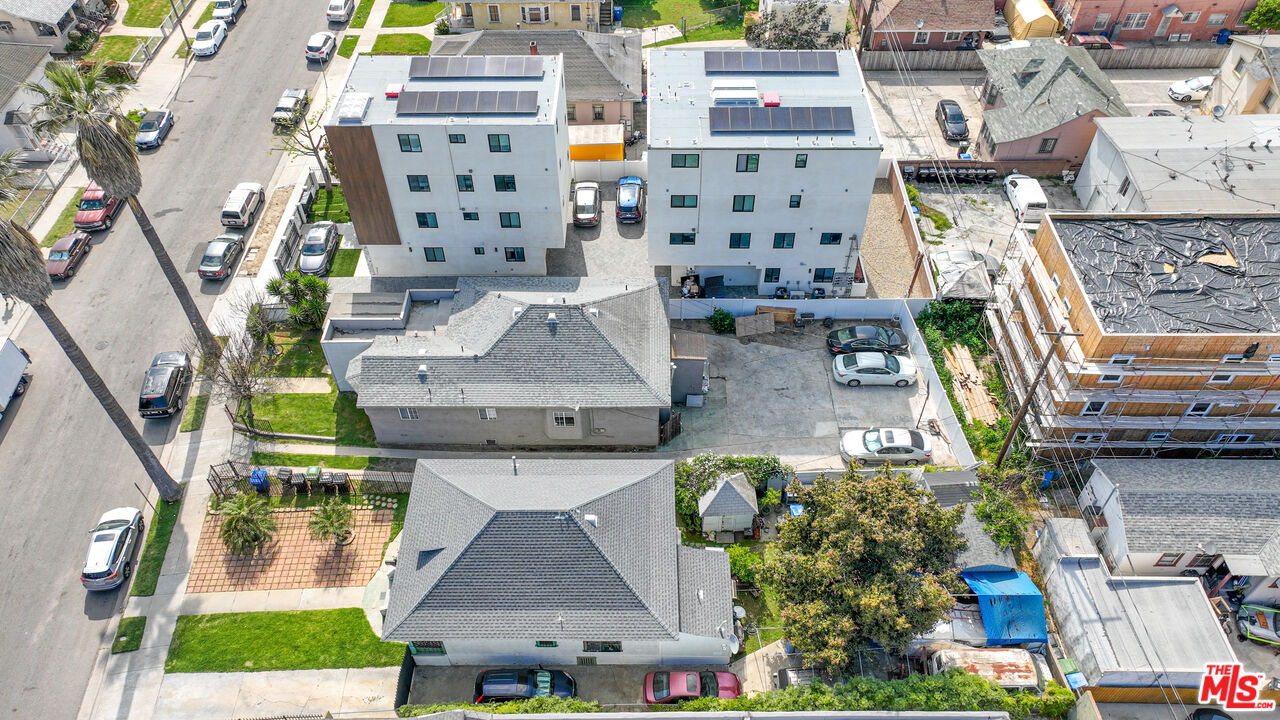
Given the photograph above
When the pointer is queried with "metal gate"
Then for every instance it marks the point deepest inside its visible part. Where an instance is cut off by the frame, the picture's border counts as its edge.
(669, 429)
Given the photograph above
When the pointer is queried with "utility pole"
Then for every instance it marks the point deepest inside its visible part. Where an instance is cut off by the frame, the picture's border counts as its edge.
(1031, 391)
(177, 20)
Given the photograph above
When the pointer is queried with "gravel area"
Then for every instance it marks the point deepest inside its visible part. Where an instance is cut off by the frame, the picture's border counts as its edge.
(888, 258)
(263, 231)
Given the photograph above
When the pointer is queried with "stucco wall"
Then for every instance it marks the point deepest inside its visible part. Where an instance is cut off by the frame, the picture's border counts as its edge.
(1073, 138)
(561, 12)
(614, 112)
(727, 523)
(517, 427)
(688, 649)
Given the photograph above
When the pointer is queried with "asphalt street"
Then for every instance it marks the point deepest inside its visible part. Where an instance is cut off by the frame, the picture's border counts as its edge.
(62, 463)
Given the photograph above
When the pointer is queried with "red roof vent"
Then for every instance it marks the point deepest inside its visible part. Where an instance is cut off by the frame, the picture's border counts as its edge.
(394, 90)
(771, 99)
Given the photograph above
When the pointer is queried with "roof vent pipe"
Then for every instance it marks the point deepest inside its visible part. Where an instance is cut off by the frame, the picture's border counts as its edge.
(551, 319)
(422, 373)
(515, 470)
(533, 47)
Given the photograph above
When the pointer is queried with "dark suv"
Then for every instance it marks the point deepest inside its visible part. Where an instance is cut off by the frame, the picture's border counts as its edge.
(164, 385)
(522, 684)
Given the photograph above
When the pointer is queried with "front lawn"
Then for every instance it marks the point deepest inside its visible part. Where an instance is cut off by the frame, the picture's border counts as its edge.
(348, 46)
(116, 48)
(334, 462)
(65, 222)
(288, 640)
(344, 263)
(361, 15)
(129, 634)
(193, 418)
(153, 551)
(147, 13)
(401, 44)
(647, 13)
(412, 13)
(329, 205)
(332, 414)
(301, 355)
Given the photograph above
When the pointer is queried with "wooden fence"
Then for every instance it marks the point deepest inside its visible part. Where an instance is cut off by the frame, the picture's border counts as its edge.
(1174, 55)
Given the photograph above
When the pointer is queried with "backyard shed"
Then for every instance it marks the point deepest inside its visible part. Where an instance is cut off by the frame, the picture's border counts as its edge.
(1012, 607)
(730, 506)
(1030, 19)
(595, 142)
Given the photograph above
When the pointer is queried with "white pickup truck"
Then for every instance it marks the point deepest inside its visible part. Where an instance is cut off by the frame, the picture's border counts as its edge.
(13, 373)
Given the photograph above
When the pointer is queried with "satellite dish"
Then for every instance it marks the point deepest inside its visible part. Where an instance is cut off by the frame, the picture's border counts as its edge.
(734, 644)
(1219, 111)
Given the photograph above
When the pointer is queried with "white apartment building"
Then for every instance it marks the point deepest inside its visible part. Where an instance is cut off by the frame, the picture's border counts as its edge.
(454, 166)
(761, 167)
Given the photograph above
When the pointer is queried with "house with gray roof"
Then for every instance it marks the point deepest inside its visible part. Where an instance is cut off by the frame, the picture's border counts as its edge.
(730, 506)
(44, 21)
(555, 562)
(21, 63)
(1245, 83)
(1039, 102)
(507, 361)
(980, 553)
(1167, 517)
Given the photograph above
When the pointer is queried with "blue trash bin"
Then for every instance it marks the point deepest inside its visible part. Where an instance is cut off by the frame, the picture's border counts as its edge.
(1223, 35)
(258, 480)
(617, 13)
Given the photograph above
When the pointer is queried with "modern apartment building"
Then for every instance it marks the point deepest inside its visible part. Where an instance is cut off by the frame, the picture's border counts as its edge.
(454, 166)
(1174, 345)
(761, 166)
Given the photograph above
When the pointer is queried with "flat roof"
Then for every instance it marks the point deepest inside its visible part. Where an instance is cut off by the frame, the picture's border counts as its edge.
(1176, 275)
(680, 100)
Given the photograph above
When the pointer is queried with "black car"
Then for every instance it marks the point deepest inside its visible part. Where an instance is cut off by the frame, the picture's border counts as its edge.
(522, 684)
(1160, 112)
(865, 337)
(951, 120)
(1208, 714)
(164, 386)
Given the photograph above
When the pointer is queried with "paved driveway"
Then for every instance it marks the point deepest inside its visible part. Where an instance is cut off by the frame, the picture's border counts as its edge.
(1146, 90)
(904, 110)
(611, 249)
(620, 686)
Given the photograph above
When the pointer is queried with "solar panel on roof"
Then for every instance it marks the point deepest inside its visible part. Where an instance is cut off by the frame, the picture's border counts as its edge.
(475, 67)
(465, 102)
(781, 119)
(769, 61)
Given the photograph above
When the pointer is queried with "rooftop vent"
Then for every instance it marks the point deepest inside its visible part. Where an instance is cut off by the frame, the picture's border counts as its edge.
(515, 312)
(771, 99)
(592, 520)
(422, 373)
(594, 312)
(551, 318)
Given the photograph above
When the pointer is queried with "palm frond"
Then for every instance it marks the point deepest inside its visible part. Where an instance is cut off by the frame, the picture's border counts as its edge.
(9, 173)
(22, 270)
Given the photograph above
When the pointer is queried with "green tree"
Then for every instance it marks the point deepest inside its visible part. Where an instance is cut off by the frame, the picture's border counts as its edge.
(803, 27)
(247, 524)
(996, 507)
(861, 565)
(772, 499)
(306, 138)
(332, 520)
(88, 100)
(744, 563)
(1266, 16)
(721, 321)
(306, 295)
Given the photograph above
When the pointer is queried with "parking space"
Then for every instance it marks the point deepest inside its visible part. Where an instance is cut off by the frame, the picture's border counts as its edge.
(904, 109)
(620, 686)
(610, 249)
(1146, 90)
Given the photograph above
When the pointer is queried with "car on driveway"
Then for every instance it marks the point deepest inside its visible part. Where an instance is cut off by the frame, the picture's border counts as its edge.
(951, 120)
(630, 199)
(96, 210)
(318, 247)
(164, 384)
(291, 106)
(209, 38)
(66, 254)
(946, 258)
(220, 257)
(495, 686)
(321, 46)
(865, 337)
(586, 204)
(1191, 89)
(339, 11)
(664, 686)
(112, 542)
(153, 129)
(876, 446)
(229, 10)
(873, 368)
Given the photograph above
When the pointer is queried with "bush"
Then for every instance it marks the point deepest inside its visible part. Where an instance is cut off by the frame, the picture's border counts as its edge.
(743, 563)
(722, 321)
(957, 321)
(771, 499)
(913, 194)
(442, 28)
(697, 475)
(533, 705)
(247, 524)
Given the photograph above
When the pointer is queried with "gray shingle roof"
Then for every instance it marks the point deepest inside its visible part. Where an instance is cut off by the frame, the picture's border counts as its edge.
(500, 350)
(1173, 505)
(953, 15)
(731, 496)
(597, 66)
(48, 12)
(492, 553)
(950, 487)
(17, 62)
(980, 551)
(1044, 86)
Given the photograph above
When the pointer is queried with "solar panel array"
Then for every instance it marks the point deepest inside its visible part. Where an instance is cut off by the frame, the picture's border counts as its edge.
(769, 61)
(467, 102)
(517, 66)
(782, 119)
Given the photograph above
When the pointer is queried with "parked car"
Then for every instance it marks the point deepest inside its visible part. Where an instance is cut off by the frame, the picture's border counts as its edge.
(291, 106)
(242, 204)
(673, 686)
(886, 445)
(164, 384)
(951, 120)
(96, 210)
(630, 199)
(865, 337)
(111, 545)
(953, 257)
(229, 11)
(1161, 112)
(321, 46)
(339, 11)
(494, 686)
(66, 254)
(220, 257)
(1191, 89)
(209, 38)
(153, 129)
(873, 368)
(586, 204)
(318, 248)
(1027, 198)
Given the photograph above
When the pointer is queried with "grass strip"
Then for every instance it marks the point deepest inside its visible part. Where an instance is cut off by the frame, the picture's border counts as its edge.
(129, 634)
(284, 640)
(65, 222)
(193, 418)
(153, 552)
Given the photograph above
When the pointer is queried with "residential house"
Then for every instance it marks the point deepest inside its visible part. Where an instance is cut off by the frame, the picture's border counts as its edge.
(589, 15)
(1168, 517)
(1171, 164)
(503, 361)
(21, 63)
(1173, 341)
(454, 166)
(980, 554)
(1040, 100)
(924, 24)
(1200, 20)
(45, 22)
(601, 71)
(556, 562)
(1246, 80)
(835, 16)
(761, 167)
(730, 506)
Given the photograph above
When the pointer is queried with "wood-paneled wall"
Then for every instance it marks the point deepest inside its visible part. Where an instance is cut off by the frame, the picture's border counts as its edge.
(364, 184)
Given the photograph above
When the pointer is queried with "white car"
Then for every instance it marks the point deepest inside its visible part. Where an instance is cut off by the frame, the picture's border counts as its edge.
(873, 368)
(112, 543)
(886, 446)
(209, 38)
(321, 46)
(1191, 89)
(339, 11)
(229, 10)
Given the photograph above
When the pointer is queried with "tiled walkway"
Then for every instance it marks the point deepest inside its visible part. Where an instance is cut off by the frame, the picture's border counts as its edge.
(295, 560)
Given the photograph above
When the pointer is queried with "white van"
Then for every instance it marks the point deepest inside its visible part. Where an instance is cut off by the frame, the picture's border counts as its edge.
(242, 205)
(1027, 197)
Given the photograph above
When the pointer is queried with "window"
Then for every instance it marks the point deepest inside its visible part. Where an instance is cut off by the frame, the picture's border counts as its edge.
(1158, 436)
(564, 419)
(478, 250)
(597, 113)
(1201, 560)
(1087, 438)
(1057, 282)
(794, 201)
(419, 183)
(535, 14)
(1216, 20)
(784, 240)
(1093, 408)
(504, 183)
(488, 413)
(1047, 145)
(1269, 99)
(802, 160)
(514, 254)
(1100, 22)
(572, 111)
(830, 239)
(575, 15)
(744, 203)
(499, 143)
(681, 239)
(1221, 378)
(1191, 17)
(772, 275)
(465, 184)
(1199, 410)
(685, 161)
(434, 254)
(1066, 304)
(742, 241)
(601, 646)
(1169, 560)
(748, 163)
(409, 143)
(1122, 359)
(921, 38)
(408, 413)
(684, 201)
(548, 643)
(495, 16)
(469, 217)
(1124, 187)
(824, 275)
(952, 36)
(1109, 379)
(1239, 68)
(1234, 438)
(426, 647)
(509, 219)
(459, 138)
(427, 220)
(1137, 21)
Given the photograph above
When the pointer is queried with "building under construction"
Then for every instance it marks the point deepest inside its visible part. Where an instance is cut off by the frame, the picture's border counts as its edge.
(1158, 335)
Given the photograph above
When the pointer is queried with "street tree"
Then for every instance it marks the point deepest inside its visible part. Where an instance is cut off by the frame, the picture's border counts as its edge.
(88, 101)
(23, 276)
(1266, 16)
(244, 371)
(247, 524)
(802, 27)
(862, 565)
(306, 138)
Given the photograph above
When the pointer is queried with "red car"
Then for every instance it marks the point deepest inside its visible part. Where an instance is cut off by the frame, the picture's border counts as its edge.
(66, 254)
(96, 209)
(677, 685)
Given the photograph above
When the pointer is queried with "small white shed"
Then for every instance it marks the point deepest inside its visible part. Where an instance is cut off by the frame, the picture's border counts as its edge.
(730, 506)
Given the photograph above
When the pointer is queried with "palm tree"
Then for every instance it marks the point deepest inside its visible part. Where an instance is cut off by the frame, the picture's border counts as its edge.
(332, 520)
(247, 524)
(90, 101)
(23, 275)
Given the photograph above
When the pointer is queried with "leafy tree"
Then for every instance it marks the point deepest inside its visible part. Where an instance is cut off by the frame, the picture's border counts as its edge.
(744, 563)
(542, 705)
(1266, 16)
(697, 475)
(244, 372)
(306, 137)
(956, 321)
(722, 321)
(803, 27)
(996, 507)
(772, 499)
(306, 296)
(861, 565)
(247, 524)
(331, 520)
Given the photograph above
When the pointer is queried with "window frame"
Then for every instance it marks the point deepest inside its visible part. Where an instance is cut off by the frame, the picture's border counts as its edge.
(1110, 379)
(477, 250)
(1101, 21)
(773, 275)
(466, 183)
(743, 242)
(794, 201)
(1163, 561)
(499, 142)
(784, 241)
(1201, 560)
(679, 238)
(1164, 436)
(827, 238)
(917, 40)
(575, 15)
(427, 220)
(683, 201)
(1190, 17)
(408, 413)
(802, 160)
(1192, 412)
(509, 220)
(601, 646)
(1268, 100)
(431, 253)
(1087, 438)
(597, 112)
(1122, 359)
(1220, 379)
(824, 275)
(684, 160)
(748, 162)
(418, 183)
(487, 414)
(504, 183)
(470, 216)
(495, 14)
(427, 647)
(514, 253)
(1047, 145)
(459, 138)
(564, 419)
(1130, 21)
(1087, 410)
(409, 142)
(1234, 439)
(952, 36)
(1209, 23)
(744, 203)
(1238, 70)
(571, 112)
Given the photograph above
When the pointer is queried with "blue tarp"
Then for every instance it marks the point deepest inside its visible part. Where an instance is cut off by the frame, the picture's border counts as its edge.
(1012, 607)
